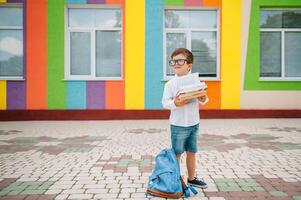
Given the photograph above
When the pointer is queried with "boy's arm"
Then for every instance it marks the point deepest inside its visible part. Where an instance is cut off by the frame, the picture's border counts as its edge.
(204, 98)
(167, 98)
(203, 102)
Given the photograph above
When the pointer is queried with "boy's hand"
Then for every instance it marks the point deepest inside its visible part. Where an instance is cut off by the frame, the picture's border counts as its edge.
(179, 102)
(203, 97)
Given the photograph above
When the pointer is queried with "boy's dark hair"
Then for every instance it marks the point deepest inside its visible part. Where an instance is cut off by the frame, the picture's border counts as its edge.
(185, 52)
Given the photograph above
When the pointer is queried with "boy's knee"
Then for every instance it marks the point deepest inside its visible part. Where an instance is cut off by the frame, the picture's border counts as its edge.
(190, 153)
(179, 156)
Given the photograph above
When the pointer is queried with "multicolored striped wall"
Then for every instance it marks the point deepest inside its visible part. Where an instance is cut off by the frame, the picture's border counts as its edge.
(142, 85)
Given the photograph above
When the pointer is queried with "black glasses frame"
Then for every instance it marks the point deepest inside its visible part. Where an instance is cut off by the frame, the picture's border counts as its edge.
(180, 62)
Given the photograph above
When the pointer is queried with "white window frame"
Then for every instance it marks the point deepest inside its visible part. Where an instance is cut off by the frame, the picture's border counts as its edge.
(188, 31)
(14, 5)
(92, 31)
(282, 32)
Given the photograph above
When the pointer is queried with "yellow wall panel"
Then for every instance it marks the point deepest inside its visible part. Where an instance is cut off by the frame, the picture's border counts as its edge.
(134, 54)
(2, 1)
(2, 95)
(231, 54)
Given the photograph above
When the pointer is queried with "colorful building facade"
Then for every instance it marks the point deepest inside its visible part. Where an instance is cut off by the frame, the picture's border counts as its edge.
(112, 54)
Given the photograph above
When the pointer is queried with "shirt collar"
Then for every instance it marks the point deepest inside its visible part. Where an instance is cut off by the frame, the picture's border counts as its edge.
(184, 75)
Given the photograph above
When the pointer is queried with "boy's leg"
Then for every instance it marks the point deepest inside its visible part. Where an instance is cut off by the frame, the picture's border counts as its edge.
(192, 179)
(191, 159)
(178, 140)
(179, 157)
(190, 163)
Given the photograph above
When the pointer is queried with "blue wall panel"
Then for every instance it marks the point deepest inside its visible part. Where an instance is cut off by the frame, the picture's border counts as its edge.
(154, 53)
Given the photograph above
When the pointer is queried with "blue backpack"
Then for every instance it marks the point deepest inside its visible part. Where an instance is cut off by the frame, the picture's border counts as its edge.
(165, 180)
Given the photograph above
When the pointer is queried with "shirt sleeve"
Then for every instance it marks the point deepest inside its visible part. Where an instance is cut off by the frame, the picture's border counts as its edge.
(168, 99)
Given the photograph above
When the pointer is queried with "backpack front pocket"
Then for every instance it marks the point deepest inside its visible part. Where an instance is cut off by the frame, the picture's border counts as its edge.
(164, 181)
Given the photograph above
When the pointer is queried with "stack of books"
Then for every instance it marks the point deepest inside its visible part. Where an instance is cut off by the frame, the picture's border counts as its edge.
(192, 91)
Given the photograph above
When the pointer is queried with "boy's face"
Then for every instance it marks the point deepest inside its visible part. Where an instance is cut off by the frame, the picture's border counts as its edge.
(179, 69)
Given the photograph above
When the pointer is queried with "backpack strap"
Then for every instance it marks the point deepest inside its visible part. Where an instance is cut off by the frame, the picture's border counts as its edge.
(165, 194)
(183, 182)
(188, 191)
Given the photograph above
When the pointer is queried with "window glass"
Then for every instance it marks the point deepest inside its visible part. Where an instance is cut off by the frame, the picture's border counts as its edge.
(173, 41)
(11, 52)
(190, 19)
(203, 19)
(280, 19)
(107, 18)
(176, 19)
(11, 17)
(292, 19)
(81, 17)
(108, 53)
(293, 54)
(11, 42)
(271, 19)
(80, 53)
(204, 53)
(270, 54)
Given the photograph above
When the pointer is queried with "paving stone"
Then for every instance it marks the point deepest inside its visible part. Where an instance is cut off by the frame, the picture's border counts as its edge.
(247, 189)
(229, 189)
(73, 191)
(124, 195)
(53, 191)
(113, 186)
(32, 192)
(80, 196)
(258, 189)
(278, 194)
(106, 196)
(4, 192)
(15, 192)
(97, 191)
(56, 186)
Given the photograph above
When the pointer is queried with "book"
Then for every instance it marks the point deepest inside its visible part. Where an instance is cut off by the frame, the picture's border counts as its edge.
(190, 86)
(190, 95)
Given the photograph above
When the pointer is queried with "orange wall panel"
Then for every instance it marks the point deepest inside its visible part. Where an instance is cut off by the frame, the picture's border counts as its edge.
(115, 1)
(115, 95)
(212, 3)
(36, 54)
(214, 95)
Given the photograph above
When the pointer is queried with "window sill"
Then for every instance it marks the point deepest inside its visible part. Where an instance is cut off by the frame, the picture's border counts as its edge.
(165, 79)
(100, 79)
(12, 79)
(279, 79)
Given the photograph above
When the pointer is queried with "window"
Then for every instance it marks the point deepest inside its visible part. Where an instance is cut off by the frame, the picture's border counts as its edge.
(94, 44)
(11, 43)
(183, 28)
(280, 44)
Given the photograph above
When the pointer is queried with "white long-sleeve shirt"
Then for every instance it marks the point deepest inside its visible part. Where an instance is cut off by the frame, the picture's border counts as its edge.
(187, 115)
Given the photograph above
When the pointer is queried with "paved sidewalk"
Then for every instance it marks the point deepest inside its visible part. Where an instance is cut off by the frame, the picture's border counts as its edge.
(239, 159)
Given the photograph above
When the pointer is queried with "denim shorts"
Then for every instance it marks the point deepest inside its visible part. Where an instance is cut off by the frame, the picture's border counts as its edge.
(184, 138)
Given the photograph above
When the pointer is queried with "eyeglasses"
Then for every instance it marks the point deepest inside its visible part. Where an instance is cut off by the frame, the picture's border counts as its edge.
(180, 62)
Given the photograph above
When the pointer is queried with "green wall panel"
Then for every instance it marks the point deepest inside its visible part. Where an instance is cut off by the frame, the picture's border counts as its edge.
(174, 2)
(56, 86)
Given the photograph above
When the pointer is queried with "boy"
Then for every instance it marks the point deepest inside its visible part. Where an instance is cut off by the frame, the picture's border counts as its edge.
(184, 117)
